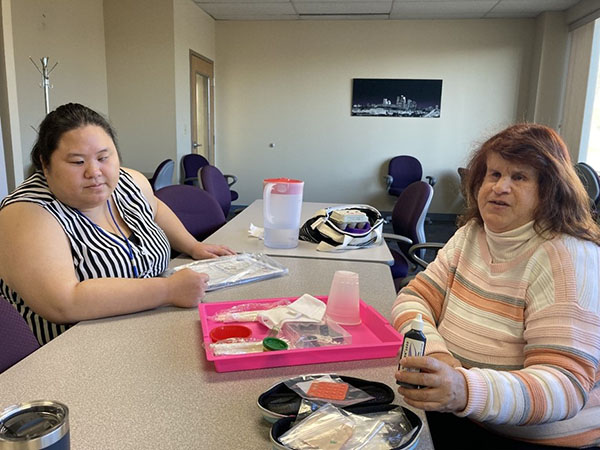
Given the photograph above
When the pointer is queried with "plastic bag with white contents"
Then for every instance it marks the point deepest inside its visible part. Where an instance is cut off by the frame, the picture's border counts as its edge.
(335, 429)
(328, 428)
(246, 312)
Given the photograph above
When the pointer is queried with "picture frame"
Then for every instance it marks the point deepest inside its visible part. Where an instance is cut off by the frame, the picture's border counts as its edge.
(382, 97)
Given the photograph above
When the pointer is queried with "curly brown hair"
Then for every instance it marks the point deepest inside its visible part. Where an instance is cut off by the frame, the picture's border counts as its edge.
(564, 206)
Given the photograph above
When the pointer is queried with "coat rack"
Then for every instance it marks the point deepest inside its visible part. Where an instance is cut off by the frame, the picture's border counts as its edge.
(45, 79)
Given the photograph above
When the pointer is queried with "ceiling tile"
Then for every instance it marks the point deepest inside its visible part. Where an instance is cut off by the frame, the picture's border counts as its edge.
(364, 7)
(204, 2)
(344, 17)
(257, 17)
(377, 9)
(530, 8)
(219, 10)
(371, 2)
(463, 9)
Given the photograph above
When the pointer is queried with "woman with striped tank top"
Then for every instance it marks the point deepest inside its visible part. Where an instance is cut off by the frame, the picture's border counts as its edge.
(84, 238)
(511, 306)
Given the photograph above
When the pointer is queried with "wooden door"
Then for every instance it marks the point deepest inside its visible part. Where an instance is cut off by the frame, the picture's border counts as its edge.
(202, 101)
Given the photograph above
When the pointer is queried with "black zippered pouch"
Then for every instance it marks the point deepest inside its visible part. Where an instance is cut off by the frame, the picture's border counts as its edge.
(279, 405)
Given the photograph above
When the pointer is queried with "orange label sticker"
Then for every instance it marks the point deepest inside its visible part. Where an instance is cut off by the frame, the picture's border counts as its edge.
(328, 390)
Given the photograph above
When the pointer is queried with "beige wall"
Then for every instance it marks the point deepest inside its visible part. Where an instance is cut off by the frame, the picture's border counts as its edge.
(549, 74)
(70, 33)
(577, 97)
(289, 83)
(194, 30)
(141, 80)
(123, 58)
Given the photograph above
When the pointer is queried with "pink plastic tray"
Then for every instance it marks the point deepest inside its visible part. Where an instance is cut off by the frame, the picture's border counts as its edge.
(373, 338)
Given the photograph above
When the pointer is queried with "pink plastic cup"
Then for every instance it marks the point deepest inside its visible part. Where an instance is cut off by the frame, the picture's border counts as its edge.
(343, 305)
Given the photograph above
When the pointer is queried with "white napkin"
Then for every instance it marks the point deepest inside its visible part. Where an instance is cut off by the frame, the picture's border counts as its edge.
(305, 309)
(256, 232)
(310, 307)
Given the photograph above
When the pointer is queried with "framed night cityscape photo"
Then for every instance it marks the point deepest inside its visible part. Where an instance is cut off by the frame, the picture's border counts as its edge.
(396, 98)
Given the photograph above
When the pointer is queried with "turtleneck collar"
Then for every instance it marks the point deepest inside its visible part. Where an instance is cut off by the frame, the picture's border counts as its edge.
(510, 244)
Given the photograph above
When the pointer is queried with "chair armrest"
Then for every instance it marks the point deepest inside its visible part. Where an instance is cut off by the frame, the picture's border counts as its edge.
(412, 251)
(431, 180)
(391, 237)
(194, 180)
(231, 179)
(396, 238)
(388, 180)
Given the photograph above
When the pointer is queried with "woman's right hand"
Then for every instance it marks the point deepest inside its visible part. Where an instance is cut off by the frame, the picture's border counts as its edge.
(187, 288)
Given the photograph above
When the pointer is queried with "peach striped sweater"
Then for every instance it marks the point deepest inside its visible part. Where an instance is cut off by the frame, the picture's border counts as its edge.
(522, 315)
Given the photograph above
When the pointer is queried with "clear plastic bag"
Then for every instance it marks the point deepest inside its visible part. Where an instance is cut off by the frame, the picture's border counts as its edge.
(332, 428)
(236, 346)
(380, 430)
(328, 428)
(302, 386)
(246, 312)
(232, 270)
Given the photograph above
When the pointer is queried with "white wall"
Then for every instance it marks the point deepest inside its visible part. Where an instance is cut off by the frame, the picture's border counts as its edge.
(70, 33)
(194, 30)
(289, 83)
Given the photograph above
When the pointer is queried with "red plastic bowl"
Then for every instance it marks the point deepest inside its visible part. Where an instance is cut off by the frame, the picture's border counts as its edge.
(229, 331)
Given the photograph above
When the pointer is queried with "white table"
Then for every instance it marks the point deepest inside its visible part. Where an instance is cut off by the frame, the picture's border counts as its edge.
(141, 381)
(235, 234)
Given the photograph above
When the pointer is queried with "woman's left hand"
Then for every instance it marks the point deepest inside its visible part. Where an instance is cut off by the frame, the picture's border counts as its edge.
(443, 388)
(208, 251)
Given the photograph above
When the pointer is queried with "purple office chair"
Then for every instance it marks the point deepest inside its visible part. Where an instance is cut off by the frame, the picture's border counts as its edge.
(17, 339)
(163, 175)
(408, 223)
(402, 171)
(199, 211)
(213, 181)
(191, 164)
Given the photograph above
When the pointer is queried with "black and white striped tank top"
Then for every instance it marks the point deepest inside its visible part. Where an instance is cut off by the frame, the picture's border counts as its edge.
(96, 253)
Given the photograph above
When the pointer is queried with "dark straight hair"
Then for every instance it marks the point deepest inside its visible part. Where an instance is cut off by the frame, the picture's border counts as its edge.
(60, 121)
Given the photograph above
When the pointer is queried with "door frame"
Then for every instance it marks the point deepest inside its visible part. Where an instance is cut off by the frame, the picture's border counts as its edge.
(205, 66)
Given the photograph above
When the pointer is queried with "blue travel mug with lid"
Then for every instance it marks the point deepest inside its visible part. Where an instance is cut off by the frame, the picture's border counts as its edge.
(37, 425)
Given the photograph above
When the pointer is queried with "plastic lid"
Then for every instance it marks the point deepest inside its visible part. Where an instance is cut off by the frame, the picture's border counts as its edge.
(417, 323)
(273, 344)
(282, 180)
(43, 421)
(229, 331)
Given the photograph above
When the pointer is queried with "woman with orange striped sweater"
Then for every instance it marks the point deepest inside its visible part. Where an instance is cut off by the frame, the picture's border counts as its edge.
(511, 306)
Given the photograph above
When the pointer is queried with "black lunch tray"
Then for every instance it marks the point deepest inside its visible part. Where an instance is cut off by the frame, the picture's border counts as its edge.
(279, 405)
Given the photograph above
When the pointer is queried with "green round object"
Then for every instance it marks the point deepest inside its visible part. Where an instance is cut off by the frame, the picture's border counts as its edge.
(272, 344)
